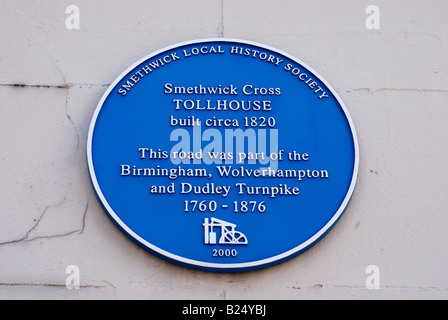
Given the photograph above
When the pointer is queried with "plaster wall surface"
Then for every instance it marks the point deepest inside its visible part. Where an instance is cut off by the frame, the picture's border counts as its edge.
(393, 80)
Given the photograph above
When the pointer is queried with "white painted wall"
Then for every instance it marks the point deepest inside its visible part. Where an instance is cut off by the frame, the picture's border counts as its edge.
(393, 82)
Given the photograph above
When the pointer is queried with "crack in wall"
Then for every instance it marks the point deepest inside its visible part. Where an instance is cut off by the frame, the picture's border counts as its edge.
(66, 86)
(26, 237)
(393, 287)
(84, 216)
(220, 28)
(67, 97)
(420, 91)
(52, 86)
(89, 286)
(22, 85)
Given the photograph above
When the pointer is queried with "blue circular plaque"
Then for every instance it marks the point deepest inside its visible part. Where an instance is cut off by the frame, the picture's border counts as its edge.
(223, 155)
